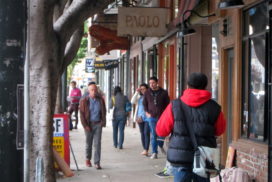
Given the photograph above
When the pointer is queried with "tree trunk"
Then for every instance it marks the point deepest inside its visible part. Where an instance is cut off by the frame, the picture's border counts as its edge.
(44, 77)
(49, 56)
(59, 108)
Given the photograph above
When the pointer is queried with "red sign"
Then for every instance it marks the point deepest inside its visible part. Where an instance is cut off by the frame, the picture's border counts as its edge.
(61, 136)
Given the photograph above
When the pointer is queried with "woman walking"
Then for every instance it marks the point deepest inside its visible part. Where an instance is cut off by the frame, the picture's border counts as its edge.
(140, 118)
(119, 102)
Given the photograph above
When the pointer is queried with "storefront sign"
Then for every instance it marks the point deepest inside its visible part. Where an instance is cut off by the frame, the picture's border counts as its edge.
(61, 136)
(148, 22)
(106, 64)
(89, 65)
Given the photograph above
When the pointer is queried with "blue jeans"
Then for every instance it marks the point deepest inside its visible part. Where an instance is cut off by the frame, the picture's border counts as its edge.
(154, 138)
(145, 134)
(118, 124)
(186, 175)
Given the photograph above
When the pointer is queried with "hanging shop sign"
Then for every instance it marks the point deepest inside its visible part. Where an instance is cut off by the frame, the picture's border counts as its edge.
(148, 22)
(89, 65)
(106, 64)
(61, 136)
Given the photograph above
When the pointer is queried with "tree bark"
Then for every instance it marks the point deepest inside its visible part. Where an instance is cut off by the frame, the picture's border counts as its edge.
(59, 108)
(44, 76)
(48, 44)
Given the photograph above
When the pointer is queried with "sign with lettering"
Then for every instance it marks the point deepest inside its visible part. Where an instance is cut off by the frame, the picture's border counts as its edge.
(148, 22)
(61, 136)
(89, 65)
(106, 64)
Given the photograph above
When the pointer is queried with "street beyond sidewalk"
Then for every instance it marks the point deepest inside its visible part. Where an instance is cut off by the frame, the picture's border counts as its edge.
(117, 165)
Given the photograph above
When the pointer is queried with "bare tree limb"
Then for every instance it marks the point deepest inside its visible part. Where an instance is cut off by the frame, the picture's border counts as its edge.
(72, 47)
(75, 15)
(59, 8)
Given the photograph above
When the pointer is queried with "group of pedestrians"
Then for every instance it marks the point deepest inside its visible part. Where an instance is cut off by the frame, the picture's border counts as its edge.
(167, 119)
(150, 103)
(159, 118)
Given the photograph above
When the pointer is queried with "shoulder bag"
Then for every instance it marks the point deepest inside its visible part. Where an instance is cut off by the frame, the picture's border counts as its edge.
(205, 158)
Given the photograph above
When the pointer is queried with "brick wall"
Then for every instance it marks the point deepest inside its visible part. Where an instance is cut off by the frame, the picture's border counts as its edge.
(252, 157)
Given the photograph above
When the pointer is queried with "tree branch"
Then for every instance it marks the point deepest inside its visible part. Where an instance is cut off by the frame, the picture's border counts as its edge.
(75, 15)
(72, 48)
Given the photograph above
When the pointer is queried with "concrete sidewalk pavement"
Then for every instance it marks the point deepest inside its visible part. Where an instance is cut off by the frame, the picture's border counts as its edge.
(117, 165)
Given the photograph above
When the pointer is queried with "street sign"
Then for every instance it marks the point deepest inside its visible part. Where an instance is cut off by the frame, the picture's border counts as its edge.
(89, 65)
(61, 136)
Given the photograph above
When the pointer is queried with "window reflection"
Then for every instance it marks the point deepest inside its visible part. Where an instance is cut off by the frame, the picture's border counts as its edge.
(256, 19)
(215, 60)
(254, 72)
(257, 88)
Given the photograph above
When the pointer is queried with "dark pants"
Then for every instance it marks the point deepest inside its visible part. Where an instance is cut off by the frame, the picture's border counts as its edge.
(118, 124)
(73, 108)
(145, 134)
(93, 140)
(186, 175)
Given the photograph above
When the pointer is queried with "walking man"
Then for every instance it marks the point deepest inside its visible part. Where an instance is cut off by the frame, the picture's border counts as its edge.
(74, 98)
(207, 120)
(93, 118)
(155, 101)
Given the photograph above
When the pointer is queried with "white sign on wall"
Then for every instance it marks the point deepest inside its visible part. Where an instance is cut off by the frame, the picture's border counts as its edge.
(148, 22)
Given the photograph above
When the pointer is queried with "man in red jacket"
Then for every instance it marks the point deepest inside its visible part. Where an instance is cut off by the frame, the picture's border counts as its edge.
(208, 122)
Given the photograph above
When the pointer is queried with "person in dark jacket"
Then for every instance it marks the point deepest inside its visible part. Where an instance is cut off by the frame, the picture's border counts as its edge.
(93, 118)
(208, 122)
(155, 101)
(119, 101)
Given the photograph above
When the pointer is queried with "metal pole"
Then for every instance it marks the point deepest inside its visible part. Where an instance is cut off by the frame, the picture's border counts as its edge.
(74, 156)
(26, 99)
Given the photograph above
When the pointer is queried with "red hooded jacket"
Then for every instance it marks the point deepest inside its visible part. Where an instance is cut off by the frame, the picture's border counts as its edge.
(193, 98)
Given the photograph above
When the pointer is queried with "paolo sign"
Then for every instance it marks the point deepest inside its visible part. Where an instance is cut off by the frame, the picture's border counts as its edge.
(148, 22)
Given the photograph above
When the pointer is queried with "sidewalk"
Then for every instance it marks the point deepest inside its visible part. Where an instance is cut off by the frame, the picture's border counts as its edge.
(117, 165)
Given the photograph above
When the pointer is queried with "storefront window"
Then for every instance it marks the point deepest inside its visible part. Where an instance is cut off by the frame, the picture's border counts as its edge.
(165, 66)
(140, 71)
(215, 60)
(254, 72)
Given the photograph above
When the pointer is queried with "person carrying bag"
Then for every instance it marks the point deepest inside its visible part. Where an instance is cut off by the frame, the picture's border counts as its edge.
(193, 121)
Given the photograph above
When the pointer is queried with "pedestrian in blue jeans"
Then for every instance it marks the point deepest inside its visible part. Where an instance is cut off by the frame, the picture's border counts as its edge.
(119, 101)
(155, 101)
(140, 117)
(182, 174)
(207, 122)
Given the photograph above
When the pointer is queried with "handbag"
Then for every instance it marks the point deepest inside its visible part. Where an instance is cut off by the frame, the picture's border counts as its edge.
(128, 106)
(206, 159)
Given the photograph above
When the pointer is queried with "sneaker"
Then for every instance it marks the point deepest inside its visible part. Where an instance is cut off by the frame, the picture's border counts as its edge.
(163, 151)
(154, 156)
(162, 174)
(88, 163)
(98, 167)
